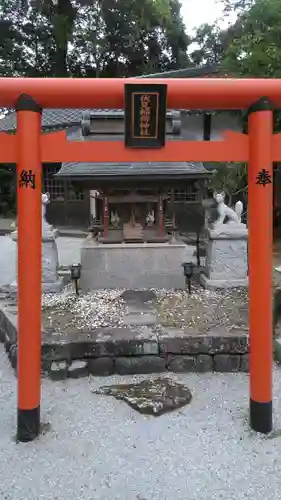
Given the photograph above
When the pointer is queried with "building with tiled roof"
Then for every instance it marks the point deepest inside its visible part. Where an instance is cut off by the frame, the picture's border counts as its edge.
(69, 184)
(56, 119)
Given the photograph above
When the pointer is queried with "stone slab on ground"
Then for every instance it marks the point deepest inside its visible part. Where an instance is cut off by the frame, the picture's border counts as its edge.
(152, 397)
(138, 297)
(142, 318)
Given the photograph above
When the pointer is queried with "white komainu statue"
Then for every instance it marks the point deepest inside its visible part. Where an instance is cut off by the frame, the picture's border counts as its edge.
(45, 201)
(233, 216)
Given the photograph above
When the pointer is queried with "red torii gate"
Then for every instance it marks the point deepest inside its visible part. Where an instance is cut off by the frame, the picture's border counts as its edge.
(29, 148)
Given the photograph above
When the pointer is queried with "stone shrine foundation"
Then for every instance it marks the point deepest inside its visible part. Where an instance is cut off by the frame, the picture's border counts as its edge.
(132, 265)
(226, 257)
(51, 282)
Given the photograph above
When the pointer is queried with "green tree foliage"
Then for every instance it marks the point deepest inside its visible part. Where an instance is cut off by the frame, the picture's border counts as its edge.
(91, 37)
(211, 42)
(251, 47)
(257, 51)
(237, 6)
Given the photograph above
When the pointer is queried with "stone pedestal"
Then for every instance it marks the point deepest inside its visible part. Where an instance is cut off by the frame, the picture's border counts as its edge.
(132, 265)
(51, 283)
(226, 257)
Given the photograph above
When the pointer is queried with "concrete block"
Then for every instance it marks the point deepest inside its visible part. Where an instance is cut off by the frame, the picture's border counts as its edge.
(132, 266)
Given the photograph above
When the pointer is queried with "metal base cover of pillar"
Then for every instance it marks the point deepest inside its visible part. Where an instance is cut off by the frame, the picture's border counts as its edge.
(28, 424)
(261, 416)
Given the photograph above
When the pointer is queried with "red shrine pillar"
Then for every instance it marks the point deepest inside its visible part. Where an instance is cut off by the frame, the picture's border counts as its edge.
(29, 208)
(105, 217)
(260, 195)
(160, 216)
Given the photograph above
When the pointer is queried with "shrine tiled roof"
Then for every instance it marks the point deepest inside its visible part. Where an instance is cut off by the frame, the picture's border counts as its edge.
(122, 170)
(108, 170)
(191, 72)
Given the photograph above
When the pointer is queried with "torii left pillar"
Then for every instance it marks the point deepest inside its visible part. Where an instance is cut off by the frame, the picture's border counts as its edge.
(29, 267)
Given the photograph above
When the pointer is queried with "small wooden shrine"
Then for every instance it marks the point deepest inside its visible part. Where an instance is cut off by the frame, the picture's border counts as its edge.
(135, 202)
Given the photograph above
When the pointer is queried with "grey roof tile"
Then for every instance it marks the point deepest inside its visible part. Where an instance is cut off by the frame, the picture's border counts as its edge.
(50, 118)
(191, 72)
(61, 118)
(106, 170)
(125, 169)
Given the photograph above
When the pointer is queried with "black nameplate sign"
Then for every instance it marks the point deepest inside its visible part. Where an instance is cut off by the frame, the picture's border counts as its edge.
(145, 115)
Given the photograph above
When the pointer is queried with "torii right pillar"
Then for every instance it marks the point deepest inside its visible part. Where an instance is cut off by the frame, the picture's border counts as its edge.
(260, 221)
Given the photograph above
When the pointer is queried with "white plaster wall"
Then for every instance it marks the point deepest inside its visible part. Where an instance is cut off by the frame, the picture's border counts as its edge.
(192, 126)
(223, 122)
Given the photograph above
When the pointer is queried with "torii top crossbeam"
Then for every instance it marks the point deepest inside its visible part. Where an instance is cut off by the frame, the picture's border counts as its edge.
(214, 93)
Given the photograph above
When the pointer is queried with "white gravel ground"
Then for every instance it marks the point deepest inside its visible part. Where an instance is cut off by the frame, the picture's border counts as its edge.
(100, 449)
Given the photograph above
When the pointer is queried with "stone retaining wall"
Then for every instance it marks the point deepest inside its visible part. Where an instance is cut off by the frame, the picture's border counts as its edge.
(132, 351)
(105, 366)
